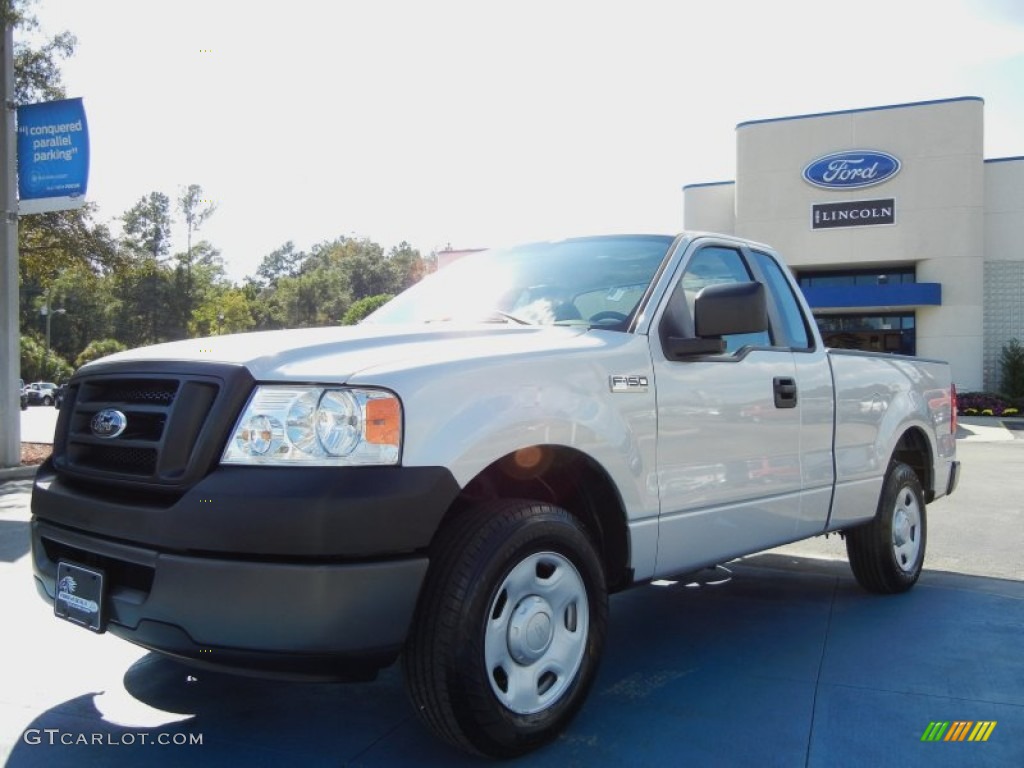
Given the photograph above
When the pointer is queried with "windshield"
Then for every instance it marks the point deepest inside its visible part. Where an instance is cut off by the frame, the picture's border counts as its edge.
(594, 281)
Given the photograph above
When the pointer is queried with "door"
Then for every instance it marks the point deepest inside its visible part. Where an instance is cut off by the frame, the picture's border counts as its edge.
(729, 470)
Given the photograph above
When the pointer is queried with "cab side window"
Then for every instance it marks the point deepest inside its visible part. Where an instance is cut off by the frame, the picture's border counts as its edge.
(793, 321)
(716, 265)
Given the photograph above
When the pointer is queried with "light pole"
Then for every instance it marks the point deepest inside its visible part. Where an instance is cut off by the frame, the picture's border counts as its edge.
(48, 314)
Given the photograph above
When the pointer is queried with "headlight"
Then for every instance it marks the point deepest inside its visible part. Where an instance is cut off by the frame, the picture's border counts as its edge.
(317, 426)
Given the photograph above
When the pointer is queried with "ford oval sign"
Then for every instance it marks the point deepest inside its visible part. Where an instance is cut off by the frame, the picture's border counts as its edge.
(108, 423)
(852, 169)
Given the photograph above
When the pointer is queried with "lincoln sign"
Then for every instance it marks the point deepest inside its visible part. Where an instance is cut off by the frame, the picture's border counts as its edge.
(853, 213)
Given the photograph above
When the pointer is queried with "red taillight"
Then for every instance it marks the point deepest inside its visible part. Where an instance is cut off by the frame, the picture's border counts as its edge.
(952, 408)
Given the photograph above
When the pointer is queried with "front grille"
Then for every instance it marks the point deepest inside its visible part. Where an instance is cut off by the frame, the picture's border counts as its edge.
(168, 437)
(132, 461)
(136, 392)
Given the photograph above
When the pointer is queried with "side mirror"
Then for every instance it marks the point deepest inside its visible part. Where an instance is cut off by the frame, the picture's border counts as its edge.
(722, 310)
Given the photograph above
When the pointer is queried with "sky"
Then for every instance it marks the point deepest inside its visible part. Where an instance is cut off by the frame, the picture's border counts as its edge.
(472, 123)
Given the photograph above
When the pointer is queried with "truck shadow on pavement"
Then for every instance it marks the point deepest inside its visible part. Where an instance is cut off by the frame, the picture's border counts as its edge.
(788, 663)
(14, 540)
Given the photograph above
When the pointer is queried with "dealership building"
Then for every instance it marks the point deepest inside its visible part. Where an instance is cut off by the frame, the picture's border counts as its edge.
(903, 236)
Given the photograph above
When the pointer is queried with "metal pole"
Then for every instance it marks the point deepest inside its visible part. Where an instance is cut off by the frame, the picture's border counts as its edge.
(46, 360)
(10, 343)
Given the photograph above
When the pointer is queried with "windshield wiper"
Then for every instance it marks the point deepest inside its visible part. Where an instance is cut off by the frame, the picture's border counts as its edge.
(505, 317)
(492, 316)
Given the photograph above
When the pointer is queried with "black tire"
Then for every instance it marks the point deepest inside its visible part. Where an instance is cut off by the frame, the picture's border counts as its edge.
(47, 400)
(484, 629)
(887, 554)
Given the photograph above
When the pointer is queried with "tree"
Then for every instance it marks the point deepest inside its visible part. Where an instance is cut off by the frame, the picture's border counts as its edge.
(143, 310)
(147, 225)
(37, 366)
(281, 262)
(37, 74)
(85, 296)
(316, 297)
(50, 243)
(1011, 366)
(225, 311)
(97, 349)
(196, 210)
(362, 307)
(407, 265)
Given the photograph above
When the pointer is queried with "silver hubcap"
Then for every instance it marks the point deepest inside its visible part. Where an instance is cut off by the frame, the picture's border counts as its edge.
(906, 531)
(536, 633)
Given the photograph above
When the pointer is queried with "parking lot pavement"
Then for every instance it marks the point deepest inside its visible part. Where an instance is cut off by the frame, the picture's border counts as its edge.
(788, 663)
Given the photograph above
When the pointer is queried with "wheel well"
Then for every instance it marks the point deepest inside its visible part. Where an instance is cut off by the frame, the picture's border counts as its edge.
(566, 478)
(914, 451)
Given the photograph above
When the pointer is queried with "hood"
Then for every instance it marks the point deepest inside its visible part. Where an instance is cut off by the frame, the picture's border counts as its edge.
(336, 355)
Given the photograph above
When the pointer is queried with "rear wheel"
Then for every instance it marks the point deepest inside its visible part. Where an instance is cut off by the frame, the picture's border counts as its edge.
(509, 630)
(887, 554)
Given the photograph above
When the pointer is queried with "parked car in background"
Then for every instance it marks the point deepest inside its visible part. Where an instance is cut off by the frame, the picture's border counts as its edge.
(41, 393)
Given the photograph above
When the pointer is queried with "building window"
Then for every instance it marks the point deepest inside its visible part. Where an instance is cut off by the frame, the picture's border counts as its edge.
(887, 332)
(845, 279)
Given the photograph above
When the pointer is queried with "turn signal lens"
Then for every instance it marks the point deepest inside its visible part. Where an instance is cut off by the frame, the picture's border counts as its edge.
(383, 421)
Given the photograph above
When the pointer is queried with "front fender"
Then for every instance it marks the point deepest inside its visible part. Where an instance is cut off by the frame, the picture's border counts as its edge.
(468, 414)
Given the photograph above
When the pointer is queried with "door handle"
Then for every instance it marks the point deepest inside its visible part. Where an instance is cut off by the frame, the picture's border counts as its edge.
(785, 391)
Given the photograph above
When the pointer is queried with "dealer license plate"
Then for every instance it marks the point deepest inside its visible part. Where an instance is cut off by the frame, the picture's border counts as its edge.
(79, 596)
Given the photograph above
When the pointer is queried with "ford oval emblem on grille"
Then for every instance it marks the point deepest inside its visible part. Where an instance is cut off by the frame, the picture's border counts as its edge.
(108, 423)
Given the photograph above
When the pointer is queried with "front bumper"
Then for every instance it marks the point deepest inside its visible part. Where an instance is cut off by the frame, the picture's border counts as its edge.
(312, 587)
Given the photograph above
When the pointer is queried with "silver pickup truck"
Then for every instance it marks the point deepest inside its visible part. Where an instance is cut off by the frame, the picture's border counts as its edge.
(462, 480)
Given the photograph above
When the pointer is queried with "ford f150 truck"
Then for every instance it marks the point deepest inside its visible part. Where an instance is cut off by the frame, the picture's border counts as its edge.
(463, 478)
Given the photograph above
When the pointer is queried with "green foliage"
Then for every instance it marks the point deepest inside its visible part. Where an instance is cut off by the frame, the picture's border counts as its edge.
(37, 366)
(282, 262)
(37, 74)
(1011, 367)
(363, 307)
(194, 207)
(147, 225)
(141, 294)
(49, 243)
(226, 310)
(315, 298)
(97, 349)
(83, 293)
(296, 289)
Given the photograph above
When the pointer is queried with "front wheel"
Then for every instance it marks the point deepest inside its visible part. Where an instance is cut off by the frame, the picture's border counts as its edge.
(887, 554)
(509, 630)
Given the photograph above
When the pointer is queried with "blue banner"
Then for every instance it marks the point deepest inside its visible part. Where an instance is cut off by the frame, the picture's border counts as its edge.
(53, 155)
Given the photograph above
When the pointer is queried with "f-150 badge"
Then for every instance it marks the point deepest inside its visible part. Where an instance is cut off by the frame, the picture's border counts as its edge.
(628, 383)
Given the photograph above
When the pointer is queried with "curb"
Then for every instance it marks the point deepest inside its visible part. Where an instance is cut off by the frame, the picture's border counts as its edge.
(17, 473)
